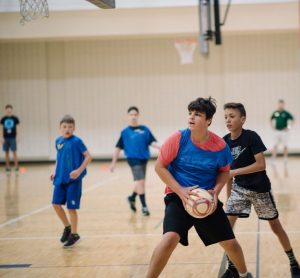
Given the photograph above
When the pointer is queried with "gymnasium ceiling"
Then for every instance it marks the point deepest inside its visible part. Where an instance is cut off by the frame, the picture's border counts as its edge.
(147, 18)
(72, 5)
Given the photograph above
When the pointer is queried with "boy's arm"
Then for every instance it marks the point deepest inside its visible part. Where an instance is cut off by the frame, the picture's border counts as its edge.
(272, 121)
(87, 159)
(291, 122)
(17, 132)
(155, 145)
(164, 174)
(114, 159)
(258, 166)
(53, 175)
(222, 178)
(229, 187)
(2, 134)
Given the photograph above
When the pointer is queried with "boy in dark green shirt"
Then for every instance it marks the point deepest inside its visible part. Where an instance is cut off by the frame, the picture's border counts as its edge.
(281, 121)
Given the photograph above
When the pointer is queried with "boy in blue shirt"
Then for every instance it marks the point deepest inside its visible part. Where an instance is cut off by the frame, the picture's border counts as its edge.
(71, 162)
(190, 158)
(135, 141)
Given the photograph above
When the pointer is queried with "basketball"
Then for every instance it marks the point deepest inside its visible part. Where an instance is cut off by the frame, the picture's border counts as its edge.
(202, 205)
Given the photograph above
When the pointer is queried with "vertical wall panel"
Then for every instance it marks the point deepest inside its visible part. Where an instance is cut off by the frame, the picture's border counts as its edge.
(97, 80)
(23, 83)
(260, 69)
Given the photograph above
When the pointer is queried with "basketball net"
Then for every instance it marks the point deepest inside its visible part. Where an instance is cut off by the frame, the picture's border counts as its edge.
(186, 49)
(33, 9)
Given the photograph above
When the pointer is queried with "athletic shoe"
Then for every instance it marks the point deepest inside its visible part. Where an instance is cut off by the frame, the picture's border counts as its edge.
(66, 234)
(7, 171)
(145, 211)
(295, 271)
(72, 241)
(131, 203)
(231, 273)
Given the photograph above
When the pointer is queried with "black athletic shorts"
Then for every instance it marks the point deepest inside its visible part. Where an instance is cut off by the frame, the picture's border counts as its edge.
(211, 229)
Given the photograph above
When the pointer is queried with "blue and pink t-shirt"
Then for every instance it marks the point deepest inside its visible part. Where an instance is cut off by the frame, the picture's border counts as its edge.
(192, 163)
(69, 157)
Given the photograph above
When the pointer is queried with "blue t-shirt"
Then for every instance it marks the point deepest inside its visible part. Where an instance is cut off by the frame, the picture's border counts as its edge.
(69, 157)
(135, 142)
(196, 166)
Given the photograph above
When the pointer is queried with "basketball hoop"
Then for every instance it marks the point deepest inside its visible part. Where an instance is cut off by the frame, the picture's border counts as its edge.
(186, 49)
(33, 9)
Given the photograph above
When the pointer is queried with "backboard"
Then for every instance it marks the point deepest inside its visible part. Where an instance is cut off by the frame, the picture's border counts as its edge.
(217, 32)
(204, 26)
(206, 32)
(104, 4)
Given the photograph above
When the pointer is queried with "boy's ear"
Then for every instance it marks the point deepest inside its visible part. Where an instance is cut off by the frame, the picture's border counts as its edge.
(209, 121)
(243, 119)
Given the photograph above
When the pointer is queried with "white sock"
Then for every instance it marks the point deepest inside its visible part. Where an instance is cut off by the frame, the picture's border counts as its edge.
(272, 161)
(243, 274)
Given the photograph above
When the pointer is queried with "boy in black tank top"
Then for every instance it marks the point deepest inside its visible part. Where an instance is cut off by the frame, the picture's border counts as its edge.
(249, 183)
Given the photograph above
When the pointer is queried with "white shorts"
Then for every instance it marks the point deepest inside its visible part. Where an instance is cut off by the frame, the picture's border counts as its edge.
(281, 136)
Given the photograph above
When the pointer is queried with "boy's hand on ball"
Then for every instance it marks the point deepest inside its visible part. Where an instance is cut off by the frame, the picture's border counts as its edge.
(214, 194)
(185, 194)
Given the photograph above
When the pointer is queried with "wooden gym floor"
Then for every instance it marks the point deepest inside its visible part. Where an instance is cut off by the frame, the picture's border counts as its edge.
(117, 243)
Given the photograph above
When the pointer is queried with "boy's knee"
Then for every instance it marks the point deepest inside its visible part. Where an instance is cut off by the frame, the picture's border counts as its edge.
(56, 206)
(231, 245)
(171, 239)
(275, 226)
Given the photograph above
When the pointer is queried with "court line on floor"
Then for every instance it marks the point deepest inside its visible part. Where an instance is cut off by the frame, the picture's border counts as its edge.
(222, 265)
(158, 224)
(91, 188)
(257, 248)
(258, 233)
(120, 265)
(6, 266)
(83, 237)
(128, 235)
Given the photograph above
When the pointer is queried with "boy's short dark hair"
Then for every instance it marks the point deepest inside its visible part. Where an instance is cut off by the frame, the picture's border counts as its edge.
(204, 105)
(133, 108)
(281, 100)
(8, 106)
(67, 119)
(237, 106)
